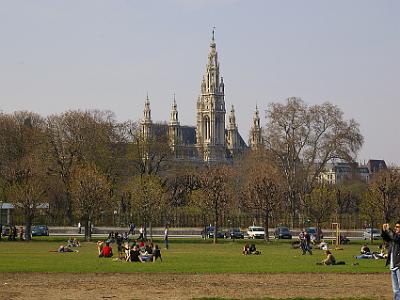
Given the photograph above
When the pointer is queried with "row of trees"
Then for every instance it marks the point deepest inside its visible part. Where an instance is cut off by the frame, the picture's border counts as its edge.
(84, 164)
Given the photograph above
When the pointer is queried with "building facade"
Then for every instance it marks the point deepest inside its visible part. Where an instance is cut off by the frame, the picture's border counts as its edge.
(210, 140)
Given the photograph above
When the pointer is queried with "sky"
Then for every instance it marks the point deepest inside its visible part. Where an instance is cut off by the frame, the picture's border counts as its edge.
(58, 55)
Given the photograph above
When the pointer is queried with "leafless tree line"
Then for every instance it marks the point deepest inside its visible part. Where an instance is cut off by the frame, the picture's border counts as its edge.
(84, 164)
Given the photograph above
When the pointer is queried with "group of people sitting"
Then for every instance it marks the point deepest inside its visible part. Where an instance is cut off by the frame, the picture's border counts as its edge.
(71, 243)
(367, 254)
(250, 249)
(132, 252)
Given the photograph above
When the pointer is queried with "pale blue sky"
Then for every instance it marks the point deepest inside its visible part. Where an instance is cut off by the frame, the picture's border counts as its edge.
(59, 55)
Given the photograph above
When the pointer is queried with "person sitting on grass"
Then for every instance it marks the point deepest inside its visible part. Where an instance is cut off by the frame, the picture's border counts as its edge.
(100, 245)
(106, 251)
(73, 242)
(127, 251)
(382, 253)
(146, 254)
(330, 260)
(253, 250)
(156, 253)
(135, 254)
(141, 244)
(246, 249)
(323, 246)
(76, 243)
(365, 249)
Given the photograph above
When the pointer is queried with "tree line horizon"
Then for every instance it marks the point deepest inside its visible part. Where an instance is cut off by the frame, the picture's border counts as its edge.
(90, 168)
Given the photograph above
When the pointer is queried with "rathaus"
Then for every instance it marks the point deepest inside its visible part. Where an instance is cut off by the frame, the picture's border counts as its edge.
(210, 140)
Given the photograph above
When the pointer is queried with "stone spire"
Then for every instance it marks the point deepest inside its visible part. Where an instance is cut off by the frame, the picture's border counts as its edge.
(147, 122)
(174, 130)
(174, 114)
(147, 110)
(232, 119)
(255, 132)
(232, 131)
(210, 131)
(212, 79)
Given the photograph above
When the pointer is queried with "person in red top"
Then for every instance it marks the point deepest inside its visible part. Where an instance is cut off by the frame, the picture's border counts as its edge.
(107, 251)
(141, 244)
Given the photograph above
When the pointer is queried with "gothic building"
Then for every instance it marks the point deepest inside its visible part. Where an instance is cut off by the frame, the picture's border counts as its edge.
(211, 140)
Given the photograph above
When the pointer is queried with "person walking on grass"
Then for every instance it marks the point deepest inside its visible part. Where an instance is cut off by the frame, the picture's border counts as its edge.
(166, 237)
(392, 237)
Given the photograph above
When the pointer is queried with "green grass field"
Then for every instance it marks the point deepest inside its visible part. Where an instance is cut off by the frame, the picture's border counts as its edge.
(184, 256)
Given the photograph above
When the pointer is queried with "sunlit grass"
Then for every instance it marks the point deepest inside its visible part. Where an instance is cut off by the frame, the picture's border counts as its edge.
(184, 256)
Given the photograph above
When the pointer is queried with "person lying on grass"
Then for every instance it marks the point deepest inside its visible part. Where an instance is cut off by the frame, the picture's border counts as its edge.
(330, 260)
(63, 249)
(374, 255)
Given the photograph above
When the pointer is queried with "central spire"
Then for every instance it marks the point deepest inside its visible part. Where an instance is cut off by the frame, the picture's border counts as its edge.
(212, 44)
(211, 81)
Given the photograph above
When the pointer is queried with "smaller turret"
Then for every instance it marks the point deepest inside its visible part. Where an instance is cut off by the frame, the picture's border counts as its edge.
(255, 132)
(174, 130)
(146, 122)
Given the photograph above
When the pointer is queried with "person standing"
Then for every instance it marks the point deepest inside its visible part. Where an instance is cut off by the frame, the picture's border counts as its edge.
(392, 237)
(166, 237)
(141, 236)
(14, 233)
(132, 228)
(79, 227)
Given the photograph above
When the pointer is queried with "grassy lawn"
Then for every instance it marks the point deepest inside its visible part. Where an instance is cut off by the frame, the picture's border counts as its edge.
(184, 256)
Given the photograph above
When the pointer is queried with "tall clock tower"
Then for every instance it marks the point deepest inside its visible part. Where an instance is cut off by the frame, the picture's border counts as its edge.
(210, 131)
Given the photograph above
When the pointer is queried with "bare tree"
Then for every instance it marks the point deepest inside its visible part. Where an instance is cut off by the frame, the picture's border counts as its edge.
(147, 195)
(149, 156)
(369, 209)
(90, 192)
(22, 167)
(304, 138)
(320, 204)
(76, 137)
(27, 188)
(215, 190)
(263, 184)
(385, 188)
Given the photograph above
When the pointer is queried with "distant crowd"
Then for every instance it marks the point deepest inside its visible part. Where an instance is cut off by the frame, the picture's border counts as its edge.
(130, 251)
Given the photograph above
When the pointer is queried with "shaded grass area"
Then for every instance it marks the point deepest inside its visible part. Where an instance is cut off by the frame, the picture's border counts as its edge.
(184, 256)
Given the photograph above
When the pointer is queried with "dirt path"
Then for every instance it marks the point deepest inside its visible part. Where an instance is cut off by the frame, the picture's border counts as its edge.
(180, 286)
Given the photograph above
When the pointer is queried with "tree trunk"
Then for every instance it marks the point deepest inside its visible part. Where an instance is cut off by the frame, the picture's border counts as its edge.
(266, 225)
(151, 232)
(28, 228)
(216, 217)
(88, 230)
(145, 230)
(318, 237)
(372, 234)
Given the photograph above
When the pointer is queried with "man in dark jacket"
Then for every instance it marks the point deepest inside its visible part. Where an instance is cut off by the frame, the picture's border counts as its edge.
(393, 259)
